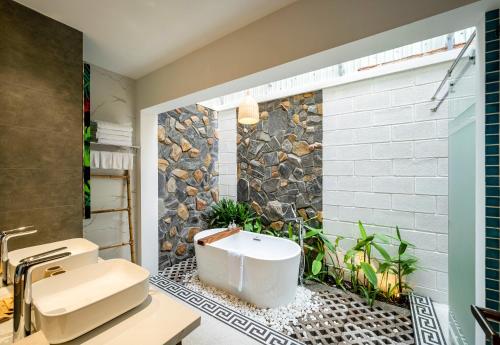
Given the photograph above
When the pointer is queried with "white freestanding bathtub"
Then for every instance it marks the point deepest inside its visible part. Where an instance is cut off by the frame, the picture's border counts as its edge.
(269, 266)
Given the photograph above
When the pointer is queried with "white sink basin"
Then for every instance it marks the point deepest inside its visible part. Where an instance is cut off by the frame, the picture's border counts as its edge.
(83, 252)
(71, 304)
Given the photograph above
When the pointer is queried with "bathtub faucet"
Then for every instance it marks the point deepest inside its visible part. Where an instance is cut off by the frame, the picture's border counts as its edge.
(296, 219)
(300, 222)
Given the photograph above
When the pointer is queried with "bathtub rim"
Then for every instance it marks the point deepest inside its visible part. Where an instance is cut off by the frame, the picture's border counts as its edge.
(287, 257)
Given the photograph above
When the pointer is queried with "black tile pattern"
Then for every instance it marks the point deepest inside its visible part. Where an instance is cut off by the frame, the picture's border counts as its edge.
(245, 325)
(347, 320)
(425, 323)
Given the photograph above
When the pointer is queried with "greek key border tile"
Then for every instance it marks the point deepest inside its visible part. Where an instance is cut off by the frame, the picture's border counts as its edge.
(241, 323)
(425, 323)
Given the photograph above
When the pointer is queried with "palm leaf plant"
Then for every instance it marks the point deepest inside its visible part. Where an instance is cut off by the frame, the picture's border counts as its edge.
(358, 260)
(401, 266)
(318, 250)
(370, 289)
(227, 211)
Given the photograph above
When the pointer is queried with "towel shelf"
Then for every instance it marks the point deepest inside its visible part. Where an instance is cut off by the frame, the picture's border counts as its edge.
(114, 145)
(121, 177)
(128, 209)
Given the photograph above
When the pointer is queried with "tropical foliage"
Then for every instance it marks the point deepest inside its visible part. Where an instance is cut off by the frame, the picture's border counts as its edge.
(227, 211)
(367, 268)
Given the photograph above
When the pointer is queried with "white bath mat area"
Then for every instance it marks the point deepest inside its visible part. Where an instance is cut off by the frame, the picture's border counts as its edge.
(306, 302)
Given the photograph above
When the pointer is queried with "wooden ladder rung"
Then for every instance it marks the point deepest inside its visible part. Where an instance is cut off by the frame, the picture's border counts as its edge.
(117, 245)
(121, 177)
(110, 210)
(131, 242)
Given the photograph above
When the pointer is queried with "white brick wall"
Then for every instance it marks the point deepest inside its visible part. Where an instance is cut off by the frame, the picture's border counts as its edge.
(385, 163)
(227, 153)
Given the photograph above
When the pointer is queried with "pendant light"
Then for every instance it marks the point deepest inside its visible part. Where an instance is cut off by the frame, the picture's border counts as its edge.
(248, 111)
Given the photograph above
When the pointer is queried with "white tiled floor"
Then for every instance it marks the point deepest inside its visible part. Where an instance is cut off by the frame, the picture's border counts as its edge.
(442, 315)
(213, 332)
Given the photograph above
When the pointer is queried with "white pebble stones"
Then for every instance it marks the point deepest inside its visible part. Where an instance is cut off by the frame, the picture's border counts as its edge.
(306, 302)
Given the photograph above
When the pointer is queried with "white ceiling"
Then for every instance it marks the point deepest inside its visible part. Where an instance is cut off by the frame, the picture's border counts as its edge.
(136, 37)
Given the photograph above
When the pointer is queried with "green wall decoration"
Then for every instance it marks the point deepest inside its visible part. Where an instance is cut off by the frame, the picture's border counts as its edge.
(86, 140)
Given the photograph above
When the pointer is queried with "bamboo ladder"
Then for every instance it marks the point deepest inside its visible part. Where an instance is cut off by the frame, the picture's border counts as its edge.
(131, 241)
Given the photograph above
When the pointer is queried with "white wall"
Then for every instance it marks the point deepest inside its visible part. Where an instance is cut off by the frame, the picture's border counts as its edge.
(385, 163)
(227, 153)
(111, 99)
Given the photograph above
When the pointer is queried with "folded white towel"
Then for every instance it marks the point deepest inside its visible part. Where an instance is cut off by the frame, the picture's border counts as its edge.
(105, 136)
(94, 159)
(115, 126)
(104, 131)
(126, 142)
(105, 160)
(235, 270)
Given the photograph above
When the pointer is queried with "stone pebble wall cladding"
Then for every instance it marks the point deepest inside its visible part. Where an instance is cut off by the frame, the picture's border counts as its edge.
(279, 160)
(187, 178)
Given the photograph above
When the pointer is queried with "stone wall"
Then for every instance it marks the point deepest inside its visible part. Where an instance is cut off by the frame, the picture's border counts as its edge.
(280, 159)
(187, 178)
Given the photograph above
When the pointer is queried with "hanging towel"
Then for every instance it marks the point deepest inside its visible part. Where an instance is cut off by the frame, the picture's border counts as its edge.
(117, 160)
(235, 270)
(114, 126)
(105, 160)
(128, 161)
(112, 160)
(94, 159)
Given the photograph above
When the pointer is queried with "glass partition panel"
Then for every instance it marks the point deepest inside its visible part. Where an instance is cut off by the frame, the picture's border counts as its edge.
(461, 195)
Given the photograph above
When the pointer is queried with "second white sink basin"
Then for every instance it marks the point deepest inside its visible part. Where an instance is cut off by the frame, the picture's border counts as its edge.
(71, 304)
(83, 252)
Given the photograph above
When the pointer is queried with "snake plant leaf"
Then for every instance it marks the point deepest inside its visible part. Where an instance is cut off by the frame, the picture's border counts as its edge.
(363, 242)
(369, 273)
(402, 248)
(337, 240)
(382, 251)
(382, 238)
(349, 254)
(317, 264)
(311, 233)
(362, 230)
(327, 243)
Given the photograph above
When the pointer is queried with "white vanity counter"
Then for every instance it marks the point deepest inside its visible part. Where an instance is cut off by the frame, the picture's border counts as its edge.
(159, 320)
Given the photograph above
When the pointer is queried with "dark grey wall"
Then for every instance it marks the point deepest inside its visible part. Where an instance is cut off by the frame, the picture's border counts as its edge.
(40, 125)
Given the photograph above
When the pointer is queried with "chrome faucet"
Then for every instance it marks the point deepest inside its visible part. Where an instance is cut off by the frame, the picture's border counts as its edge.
(296, 219)
(302, 234)
(5, 236)
(22, 289)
